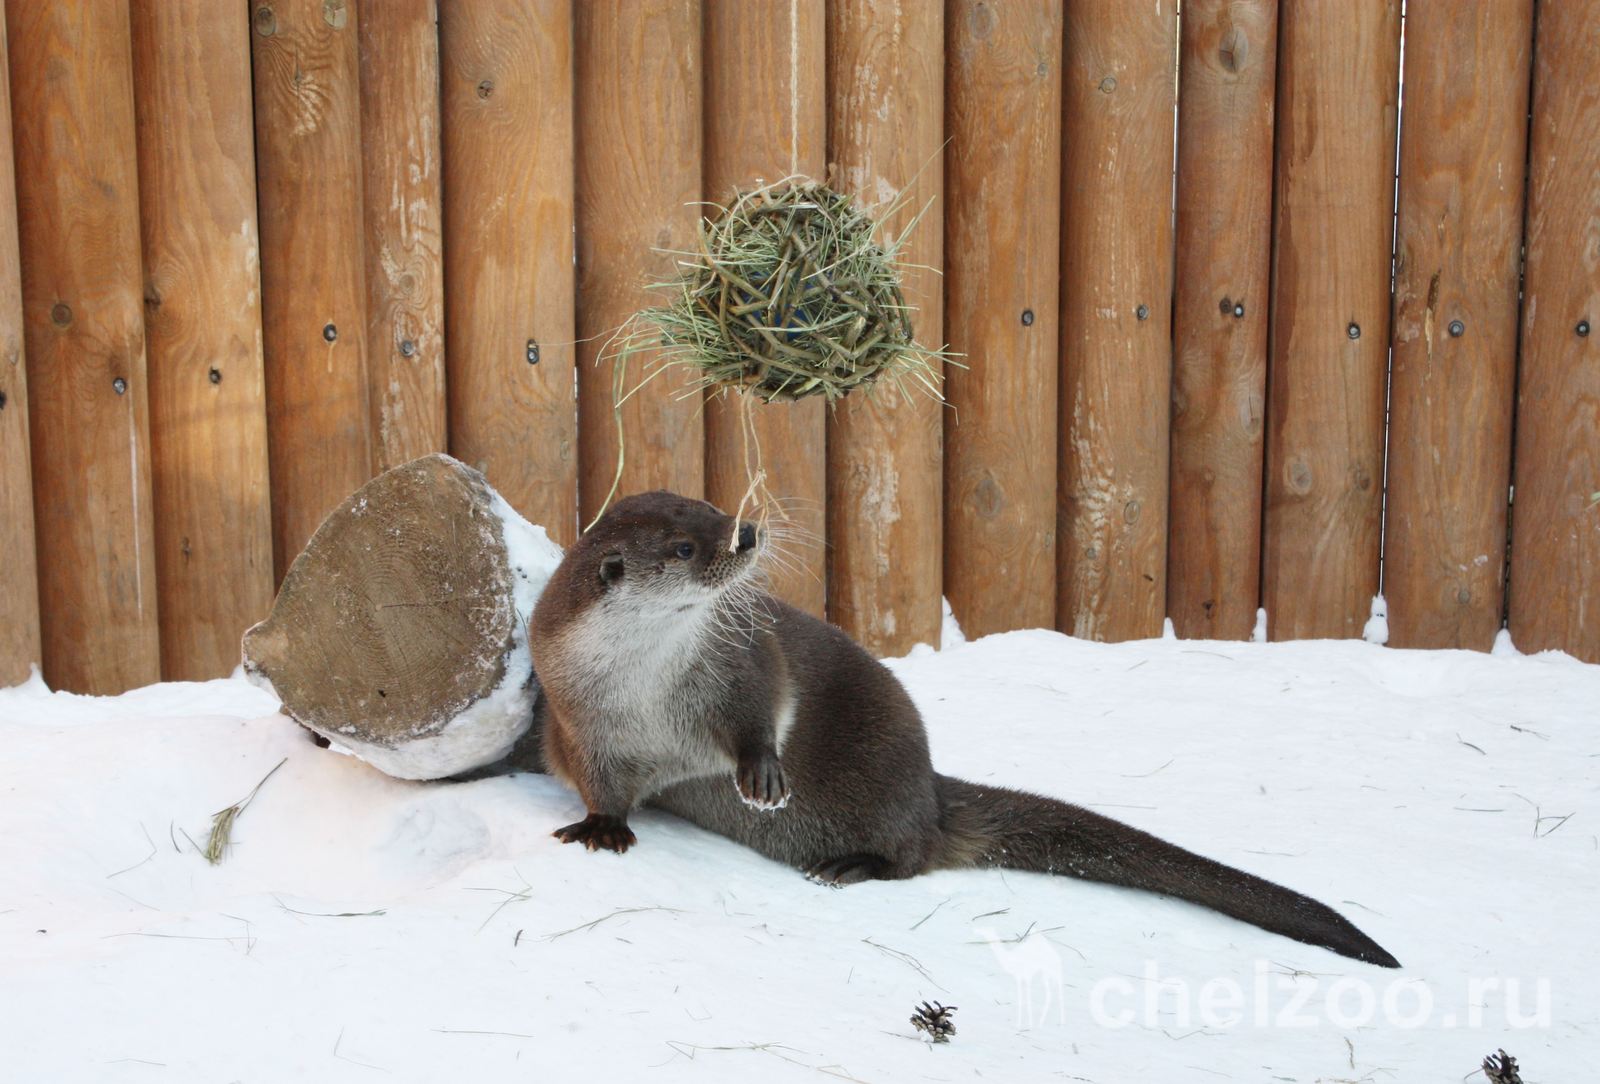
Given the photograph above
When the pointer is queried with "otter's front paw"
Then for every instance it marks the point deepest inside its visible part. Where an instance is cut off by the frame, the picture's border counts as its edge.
(599, 831)
(761, 783)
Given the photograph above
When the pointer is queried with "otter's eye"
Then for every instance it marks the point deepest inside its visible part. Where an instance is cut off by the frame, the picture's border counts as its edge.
(684, 551)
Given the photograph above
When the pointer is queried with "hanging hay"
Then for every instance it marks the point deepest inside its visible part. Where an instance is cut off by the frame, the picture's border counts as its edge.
(788, 296)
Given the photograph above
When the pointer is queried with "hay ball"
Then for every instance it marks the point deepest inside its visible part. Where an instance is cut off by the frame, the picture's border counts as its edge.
(790, 296)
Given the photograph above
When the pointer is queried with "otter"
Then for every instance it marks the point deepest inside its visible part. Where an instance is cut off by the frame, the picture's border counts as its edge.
(670, 677)
(652, 667)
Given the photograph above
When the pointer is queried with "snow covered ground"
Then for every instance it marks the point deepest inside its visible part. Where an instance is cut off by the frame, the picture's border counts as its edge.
(363, 928)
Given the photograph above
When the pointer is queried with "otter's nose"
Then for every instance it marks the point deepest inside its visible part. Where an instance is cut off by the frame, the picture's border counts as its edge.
(747, 537)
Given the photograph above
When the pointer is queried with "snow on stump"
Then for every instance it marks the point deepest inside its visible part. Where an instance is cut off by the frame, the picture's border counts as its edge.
(400, 634)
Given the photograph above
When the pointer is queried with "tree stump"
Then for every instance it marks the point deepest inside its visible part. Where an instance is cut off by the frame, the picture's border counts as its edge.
(400, 634)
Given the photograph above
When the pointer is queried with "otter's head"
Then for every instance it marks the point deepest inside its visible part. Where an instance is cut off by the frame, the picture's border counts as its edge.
(663, 553)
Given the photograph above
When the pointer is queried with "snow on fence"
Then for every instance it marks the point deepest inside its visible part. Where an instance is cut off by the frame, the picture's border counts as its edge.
(263, 251)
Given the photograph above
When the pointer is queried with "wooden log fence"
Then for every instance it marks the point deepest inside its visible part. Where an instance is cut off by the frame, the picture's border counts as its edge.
(766, 119)
(1228, 330)
(638, 183)
(1338, 83)
(885, 478)
(506, 93)
(19, 588)
(402, 212)
(1228, 71)
(1555, 553)
(1455, 323)
(313, 274)
(202, 321)
(1002, 274)
(1116, 319)
(72, 116)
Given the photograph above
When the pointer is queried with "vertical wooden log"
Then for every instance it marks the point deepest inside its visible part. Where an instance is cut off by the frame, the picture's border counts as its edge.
(766, 119)
(399, 43)
(885, 483)
(1463, 147)
(1338, 73)
(1002, 252)
(78, 213)
(1555, 546)
(1224, 260)
(208, 422)
(1116, 318)
(638, 185)
(313, 288)
(506, 89)
(19, 587)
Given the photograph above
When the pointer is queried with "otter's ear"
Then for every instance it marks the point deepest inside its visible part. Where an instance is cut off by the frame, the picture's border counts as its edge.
(611, 568)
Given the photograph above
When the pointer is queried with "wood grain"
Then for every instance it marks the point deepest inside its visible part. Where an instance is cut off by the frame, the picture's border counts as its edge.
(404, 243)
(1003, 115)
(1224, 260)
(885, 478)
(1555, 546)
(1463, 147)
(1338, 73)
(202, 291)
(401, 614)
(1116, 318)
(78, 216)
(313, 289)
(19, 587)
(638, 168)
(766, 119)
(506, 92)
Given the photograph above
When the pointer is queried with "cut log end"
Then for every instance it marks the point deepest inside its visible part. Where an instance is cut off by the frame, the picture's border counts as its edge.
(400, 633)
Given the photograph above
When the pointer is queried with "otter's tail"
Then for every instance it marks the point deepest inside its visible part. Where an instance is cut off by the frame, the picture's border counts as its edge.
(991, 826)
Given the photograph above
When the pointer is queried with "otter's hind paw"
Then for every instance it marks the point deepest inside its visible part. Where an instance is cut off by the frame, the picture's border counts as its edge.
(599, 831)
(847, 869)
(761, 782)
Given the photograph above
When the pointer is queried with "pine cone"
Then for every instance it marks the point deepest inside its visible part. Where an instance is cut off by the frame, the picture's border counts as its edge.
(1501, 1068)
(934, 1018)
